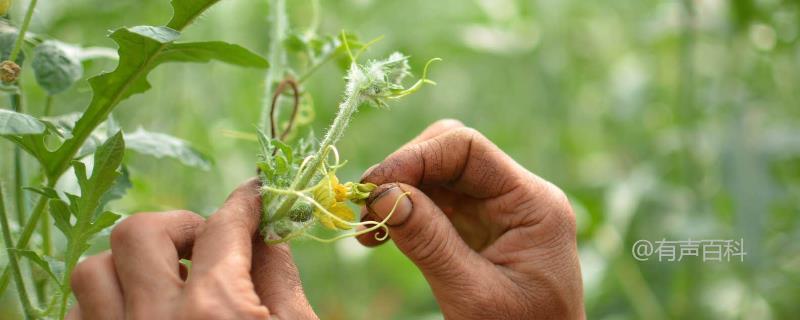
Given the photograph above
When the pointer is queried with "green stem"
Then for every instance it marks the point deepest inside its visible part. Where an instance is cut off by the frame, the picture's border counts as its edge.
(47, 243)
(13, 260)
(22, 30)
(277, 57)
(48, 106)
(19, 170)
(27, 233)
(346, 110)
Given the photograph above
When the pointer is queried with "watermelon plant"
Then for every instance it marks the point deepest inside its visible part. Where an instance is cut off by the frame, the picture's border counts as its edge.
(297, 170)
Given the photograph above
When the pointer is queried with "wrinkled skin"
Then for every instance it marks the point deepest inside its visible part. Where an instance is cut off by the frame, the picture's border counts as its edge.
(234, 274)
(493, 240)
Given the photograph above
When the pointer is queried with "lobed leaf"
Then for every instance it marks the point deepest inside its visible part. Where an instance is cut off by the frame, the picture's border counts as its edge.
(161, 145)
(15, 123)
(212, 50)
(141, 49)
(185, 11)
(51, 266)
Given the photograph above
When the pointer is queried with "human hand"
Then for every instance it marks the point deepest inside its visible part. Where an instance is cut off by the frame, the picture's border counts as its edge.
(492, 239)
(234, 275)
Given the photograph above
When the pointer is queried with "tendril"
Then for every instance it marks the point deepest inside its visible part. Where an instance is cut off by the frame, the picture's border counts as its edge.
(375, 226)
(370, 225)
(418, 85)
(295, 106)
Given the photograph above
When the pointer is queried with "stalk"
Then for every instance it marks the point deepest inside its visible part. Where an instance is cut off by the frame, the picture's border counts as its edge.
(277, 56)
(25, 236)
(48, 106)
(13, 260)
(44, 227)
(22, 30)
(346, 110)
(19, 170)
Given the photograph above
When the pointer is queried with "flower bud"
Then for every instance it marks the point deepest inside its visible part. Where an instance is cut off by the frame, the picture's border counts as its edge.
(301, 211)
(9, 71)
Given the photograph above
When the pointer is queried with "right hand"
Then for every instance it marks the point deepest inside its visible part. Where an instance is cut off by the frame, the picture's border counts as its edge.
(493, 239)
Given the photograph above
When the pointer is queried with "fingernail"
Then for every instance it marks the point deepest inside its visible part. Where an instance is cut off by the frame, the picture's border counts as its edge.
(384, 201)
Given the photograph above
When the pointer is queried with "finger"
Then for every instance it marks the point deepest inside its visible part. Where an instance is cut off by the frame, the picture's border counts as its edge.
(222, 254)
(226, 238)
(145, 250)
(277, 282)
(424, 233)
(74, 313)
(461, 158)
(95, 285)
(371, 239)
(435, 129)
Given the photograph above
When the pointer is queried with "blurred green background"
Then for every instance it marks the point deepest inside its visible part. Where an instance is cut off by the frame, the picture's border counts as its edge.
(660, 119)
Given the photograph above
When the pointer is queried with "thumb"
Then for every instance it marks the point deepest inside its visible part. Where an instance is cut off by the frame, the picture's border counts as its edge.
(423, 232)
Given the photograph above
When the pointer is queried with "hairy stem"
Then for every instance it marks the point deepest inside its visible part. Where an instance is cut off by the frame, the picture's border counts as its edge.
(13, 260)
(277, 56)
(346, 110)
(22, 30)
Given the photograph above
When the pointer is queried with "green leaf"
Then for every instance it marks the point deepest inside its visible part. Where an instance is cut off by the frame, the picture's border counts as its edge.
(44, 191)
(15, 123)
(138, 46)
(141, 49)
(61, 216)
(212, 50)
(285, 149)
(103, 221)
(185, 11)
(161, 145)
(55, 68)
(82, 209)
(51, 267)
(118, 190)
(107, 160)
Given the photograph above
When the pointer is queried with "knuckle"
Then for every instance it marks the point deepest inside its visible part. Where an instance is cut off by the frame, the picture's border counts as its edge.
(189, 216)
(561, 210)
(132, 227)
(467, 134)
(448, 123)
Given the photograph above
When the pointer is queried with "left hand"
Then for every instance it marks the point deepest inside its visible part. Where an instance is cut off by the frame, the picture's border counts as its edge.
(234, 275)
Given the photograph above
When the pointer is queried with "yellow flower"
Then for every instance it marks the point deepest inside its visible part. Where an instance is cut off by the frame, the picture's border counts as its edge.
(331, 195)
(4, 5)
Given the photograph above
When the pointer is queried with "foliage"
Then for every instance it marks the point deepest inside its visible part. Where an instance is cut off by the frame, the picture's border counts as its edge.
(57, 66)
